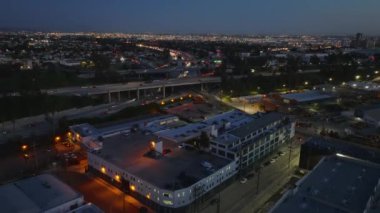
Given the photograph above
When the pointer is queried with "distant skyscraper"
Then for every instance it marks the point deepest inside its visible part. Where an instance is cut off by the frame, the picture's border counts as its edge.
(359, 41)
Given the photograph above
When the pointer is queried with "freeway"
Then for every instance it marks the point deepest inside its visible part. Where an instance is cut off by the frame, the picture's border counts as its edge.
(131, 86)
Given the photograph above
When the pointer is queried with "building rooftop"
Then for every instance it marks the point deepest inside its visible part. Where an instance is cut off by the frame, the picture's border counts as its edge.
(85, 130)
(346, 148)
(233, 118)
(35, 194)
(87, 208)
(128, 124)
(259, 121)
(129, 153)
(308, 96)
(337, 184)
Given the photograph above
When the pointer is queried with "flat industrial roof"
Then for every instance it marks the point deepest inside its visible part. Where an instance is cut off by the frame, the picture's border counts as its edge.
(127, 124)
(336, 184)
(312, 95)
(259, 121)
(35, 194)
(234, 117)
(85, 129)
(346, 148)
(127, 152)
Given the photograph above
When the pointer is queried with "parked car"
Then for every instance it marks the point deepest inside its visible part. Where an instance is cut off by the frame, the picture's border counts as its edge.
(243, 180)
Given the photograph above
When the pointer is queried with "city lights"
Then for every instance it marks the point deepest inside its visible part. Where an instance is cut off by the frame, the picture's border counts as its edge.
(357, 77)
(132, 187)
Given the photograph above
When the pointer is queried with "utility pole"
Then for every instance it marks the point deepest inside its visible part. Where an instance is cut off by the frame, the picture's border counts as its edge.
(258, 179)
(218, 206)
(35, 155)
(290, 152)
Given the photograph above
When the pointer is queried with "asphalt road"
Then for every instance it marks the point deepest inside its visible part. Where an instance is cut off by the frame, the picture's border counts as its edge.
(243, 198)
(104, 195)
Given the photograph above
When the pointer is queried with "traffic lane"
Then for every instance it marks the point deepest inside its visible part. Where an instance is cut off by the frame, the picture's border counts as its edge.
(270, 175)
(106, 196)
(237, 195)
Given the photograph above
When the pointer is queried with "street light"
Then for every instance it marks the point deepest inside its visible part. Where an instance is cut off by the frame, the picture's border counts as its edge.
(117, 178)
(253, 70)
(306, 83)
(24, 147)
(330, 79)
(357, 77)
(103, 169)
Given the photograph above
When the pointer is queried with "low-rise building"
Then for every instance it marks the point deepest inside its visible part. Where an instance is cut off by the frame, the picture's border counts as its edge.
(307, 97)
(42, 193)
(337, 184)
(370, 114)
(254, 139)
(161, 173)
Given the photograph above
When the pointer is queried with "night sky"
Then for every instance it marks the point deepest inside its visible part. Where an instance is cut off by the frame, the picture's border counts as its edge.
(194, 16)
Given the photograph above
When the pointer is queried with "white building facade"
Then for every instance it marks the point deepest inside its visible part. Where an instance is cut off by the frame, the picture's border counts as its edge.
(163, 197)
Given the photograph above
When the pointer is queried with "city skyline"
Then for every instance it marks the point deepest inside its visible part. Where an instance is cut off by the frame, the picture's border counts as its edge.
(196, 17)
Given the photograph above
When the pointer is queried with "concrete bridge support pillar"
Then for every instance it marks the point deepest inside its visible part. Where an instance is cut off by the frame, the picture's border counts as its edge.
(119, 96)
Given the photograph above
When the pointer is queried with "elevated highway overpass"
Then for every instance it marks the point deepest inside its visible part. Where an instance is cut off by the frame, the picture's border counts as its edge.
(132, 86)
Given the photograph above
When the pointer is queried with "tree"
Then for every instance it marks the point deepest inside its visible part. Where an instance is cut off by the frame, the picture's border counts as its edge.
(102, 64)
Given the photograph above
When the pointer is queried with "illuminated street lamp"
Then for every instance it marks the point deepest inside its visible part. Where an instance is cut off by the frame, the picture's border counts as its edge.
(357, 77)
(103, 169)
(57, 139)
(152, 145)
(253, 70)
(306, 83)
(376, 72)
(132, 187)
(330, 79)
(283, 85)
(24, 147)
(162, 103)
(117, 178)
